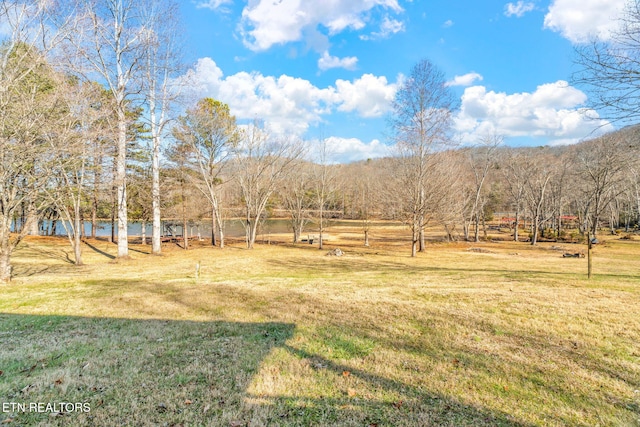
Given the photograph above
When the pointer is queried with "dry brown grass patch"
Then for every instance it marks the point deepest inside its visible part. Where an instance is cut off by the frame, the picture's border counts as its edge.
(284, 335)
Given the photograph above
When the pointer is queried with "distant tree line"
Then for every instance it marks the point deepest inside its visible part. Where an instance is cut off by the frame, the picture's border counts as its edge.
(94, 124)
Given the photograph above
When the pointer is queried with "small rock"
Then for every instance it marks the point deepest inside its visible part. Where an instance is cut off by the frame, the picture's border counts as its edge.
(335, 252)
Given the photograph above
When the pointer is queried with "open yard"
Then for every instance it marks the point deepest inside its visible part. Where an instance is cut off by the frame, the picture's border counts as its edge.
(495, 333)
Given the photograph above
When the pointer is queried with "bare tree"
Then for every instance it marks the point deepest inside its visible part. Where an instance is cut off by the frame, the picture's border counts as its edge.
(296, 194)
(324, 182)
(633, 191)
(602, 167)
(538, 170)
(161, 64)
(610, 70)
(458, 197)
(107, 45)
(514, 176)
(28, 98)
(263, 162)
(140, 197)
(101, 156)
(480, 160)
(209, 132)
(73, 141)
(364, 187)
(560, 186)
(179, 178)
(422, 112)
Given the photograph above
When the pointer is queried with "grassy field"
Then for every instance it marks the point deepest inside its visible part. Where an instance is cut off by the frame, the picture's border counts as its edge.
(466, 334)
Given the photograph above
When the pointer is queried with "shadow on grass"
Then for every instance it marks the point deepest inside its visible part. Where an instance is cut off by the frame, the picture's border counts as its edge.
(161, 372)
(133, 249)
(54, 252)
(106, 254)
(132, 372)
(497, 359)
(98, 250)
(416, 408)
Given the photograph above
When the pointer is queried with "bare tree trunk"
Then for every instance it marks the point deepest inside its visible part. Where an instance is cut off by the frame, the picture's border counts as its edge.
(5, 266)
(248, 230)
(221, 233)
(143, 233)
(213, 227)
(594, 227)
(156, 227)
(421, 218)
(185, 230)
(121, 182)
(217, 220)
(156, 219)
(476, 231)
(54, 224)
(559, 225)
(32, 221)
(251, 230)
(5, 255)
(637, 206)
(112, 238)
(589, 256)
(254, 232)
(320, 239)
(33, 229)
(414, 246)
(94, 196)
(81, 229)
(534, 229)
(484, 228)
(627, 222)
(94, 218)
(77, 238)
(415, 236)
(366, 237)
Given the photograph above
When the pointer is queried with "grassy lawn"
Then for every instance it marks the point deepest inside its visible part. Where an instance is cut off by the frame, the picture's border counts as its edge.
(495, 333)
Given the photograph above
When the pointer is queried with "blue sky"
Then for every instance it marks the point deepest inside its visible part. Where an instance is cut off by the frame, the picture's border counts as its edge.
(330, 68)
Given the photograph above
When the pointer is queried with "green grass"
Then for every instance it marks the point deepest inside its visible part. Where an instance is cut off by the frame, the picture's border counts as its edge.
(284, 335)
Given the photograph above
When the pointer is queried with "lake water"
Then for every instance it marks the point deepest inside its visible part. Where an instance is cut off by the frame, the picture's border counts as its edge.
(233, 228)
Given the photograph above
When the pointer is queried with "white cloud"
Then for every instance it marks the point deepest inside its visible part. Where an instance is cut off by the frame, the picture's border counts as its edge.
(554, 112)
(578, 20)
(212, 4)
(369, 96)
(346, 150)
(518, 9)
(464, 80)
(286, 103)
(448, 23)
(268, 22)
(327, 61)
(289, 104)
(388, 27)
